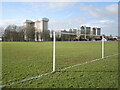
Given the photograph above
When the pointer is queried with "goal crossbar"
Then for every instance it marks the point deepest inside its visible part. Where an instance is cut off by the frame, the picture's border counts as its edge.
(75, 34)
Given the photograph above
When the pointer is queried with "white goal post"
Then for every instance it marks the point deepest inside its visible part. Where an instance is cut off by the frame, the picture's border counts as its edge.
(103, 46)
(54, 40)
(54, 46)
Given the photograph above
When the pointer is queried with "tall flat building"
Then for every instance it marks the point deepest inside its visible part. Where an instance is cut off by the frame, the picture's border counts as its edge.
(28, 25)
(40, 29)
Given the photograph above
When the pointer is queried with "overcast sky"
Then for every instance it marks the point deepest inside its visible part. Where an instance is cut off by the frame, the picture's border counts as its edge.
(64, 15)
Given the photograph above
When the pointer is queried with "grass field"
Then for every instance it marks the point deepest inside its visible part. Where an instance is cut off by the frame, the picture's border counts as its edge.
(28, 59)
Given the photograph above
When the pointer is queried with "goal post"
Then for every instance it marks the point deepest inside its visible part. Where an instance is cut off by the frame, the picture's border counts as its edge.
(102, 46)
(54, 40)
(65, 33)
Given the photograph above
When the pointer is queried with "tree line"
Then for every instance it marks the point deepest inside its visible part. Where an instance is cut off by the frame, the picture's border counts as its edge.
(13, 33)
(18, 33)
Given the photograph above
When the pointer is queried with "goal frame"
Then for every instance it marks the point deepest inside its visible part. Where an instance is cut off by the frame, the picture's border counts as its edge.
(54, 46)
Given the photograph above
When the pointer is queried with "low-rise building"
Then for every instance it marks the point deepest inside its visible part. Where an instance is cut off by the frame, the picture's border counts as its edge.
(84, 32)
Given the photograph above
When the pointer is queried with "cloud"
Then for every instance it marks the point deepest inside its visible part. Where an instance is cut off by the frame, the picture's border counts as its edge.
(51, 6)
(113, 9)
(108, 27)
(104, 22)
(42, 0)
(60, 5)
(67, 23)
(105, 17)
(4, 23)
(107, 11)
(60, 1)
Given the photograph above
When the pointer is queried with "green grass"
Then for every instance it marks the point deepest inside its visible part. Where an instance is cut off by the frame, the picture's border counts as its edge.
(27, 59)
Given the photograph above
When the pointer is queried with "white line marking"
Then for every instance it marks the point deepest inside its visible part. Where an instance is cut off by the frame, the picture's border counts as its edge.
(27, 79)
(89, 62)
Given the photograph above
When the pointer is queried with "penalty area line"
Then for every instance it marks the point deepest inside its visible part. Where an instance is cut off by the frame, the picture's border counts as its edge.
(27, 79)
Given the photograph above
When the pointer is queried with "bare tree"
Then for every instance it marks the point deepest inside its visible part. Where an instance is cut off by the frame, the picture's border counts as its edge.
(10, 33)
(20, 33)
(29, 32)
(1, 31)
(45, 35)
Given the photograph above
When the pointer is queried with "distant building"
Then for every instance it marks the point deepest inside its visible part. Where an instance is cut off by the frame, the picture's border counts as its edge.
(96, 31)
(41, 29)
(86, 31)
(83, 32)
(28, 26)
(90, 33)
